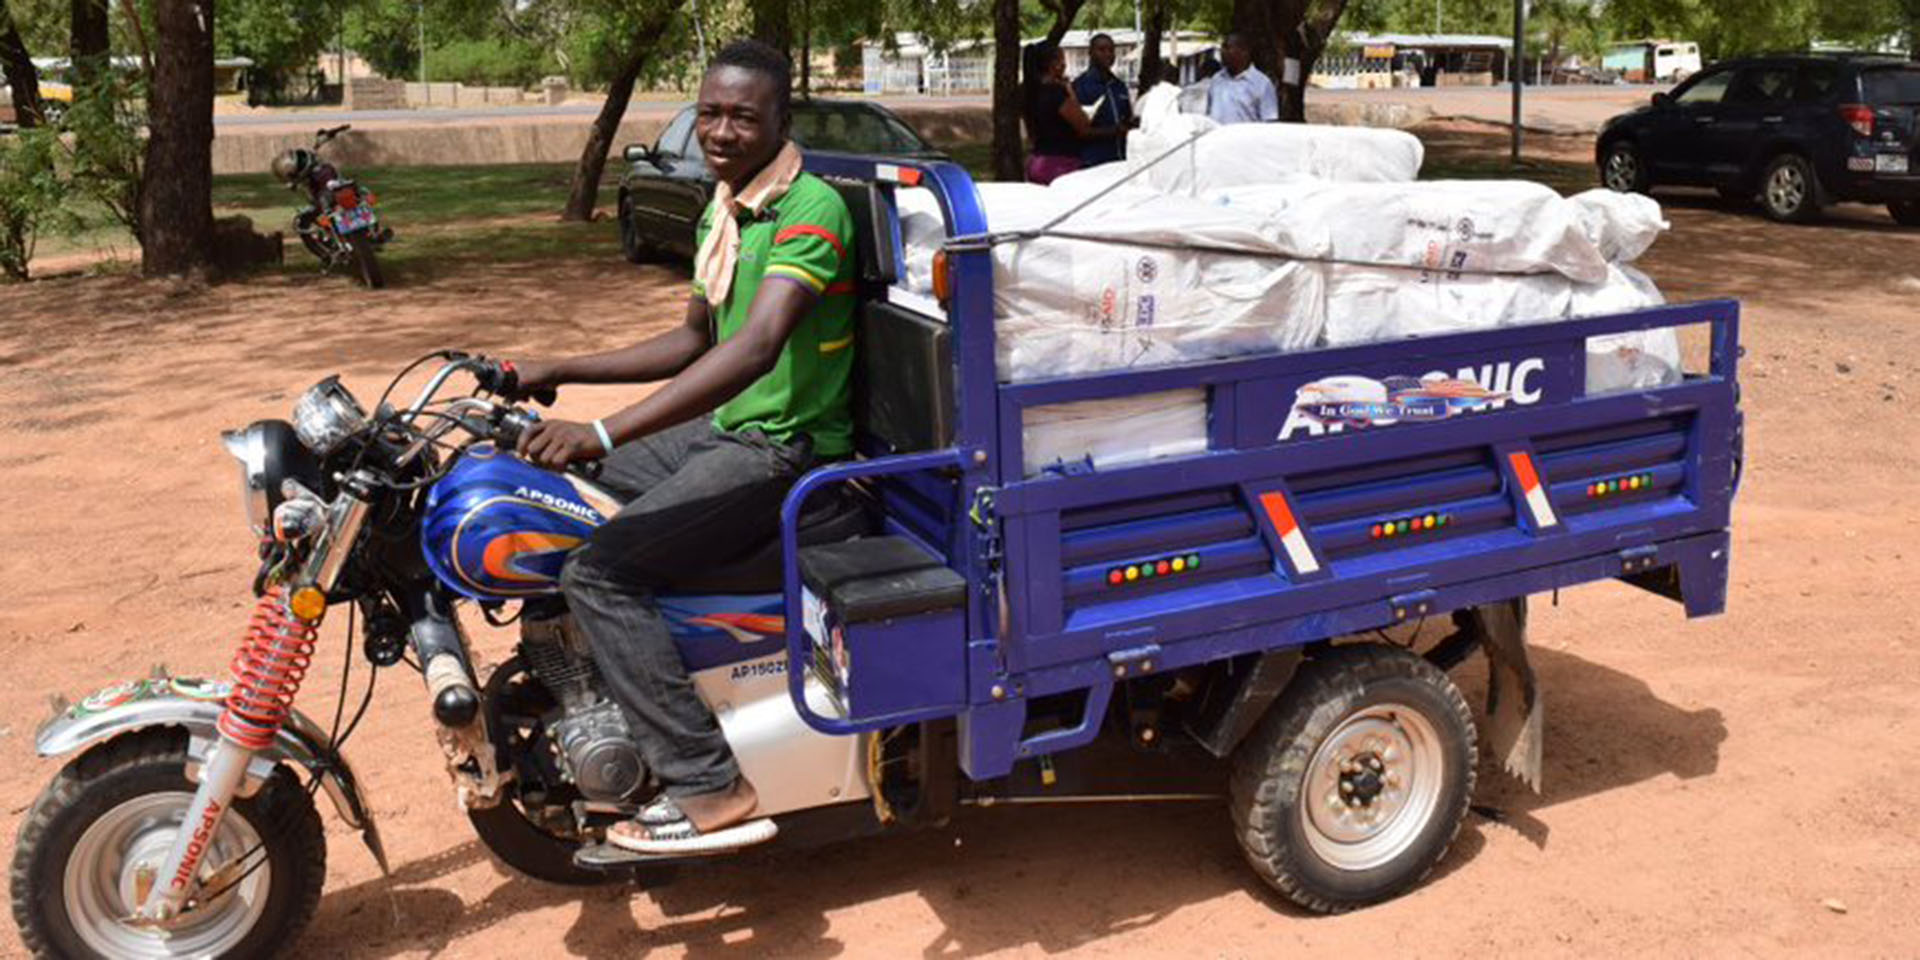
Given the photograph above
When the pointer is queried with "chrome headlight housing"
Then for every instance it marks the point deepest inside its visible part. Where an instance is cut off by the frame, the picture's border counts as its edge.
(326, 415)
(270, 453)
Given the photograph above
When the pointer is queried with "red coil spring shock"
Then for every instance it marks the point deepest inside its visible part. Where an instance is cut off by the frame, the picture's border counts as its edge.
(267, 671)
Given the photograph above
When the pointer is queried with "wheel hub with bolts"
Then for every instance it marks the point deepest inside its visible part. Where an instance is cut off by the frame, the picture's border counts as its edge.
(1372, 786)
(1787, 188)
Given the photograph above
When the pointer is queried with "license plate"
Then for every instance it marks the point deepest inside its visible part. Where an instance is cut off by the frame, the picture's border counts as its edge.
(1890, 163)
(347, 221)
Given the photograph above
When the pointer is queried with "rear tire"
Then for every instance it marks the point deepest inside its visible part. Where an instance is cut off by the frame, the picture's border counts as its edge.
(1356, 782)
(1790, 190)
(366, 264)
(1905, 212)
(1623, 169)
(118, 797)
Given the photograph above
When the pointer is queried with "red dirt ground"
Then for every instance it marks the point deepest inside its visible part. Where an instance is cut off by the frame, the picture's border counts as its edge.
(1713, 787)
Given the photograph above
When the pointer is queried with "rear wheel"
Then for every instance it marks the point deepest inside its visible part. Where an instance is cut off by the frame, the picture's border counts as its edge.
(1623, 170)
(1355, 784)
(1905, 212)
(366, 264)
(1790, 190)
(89, 848)
(533, 843)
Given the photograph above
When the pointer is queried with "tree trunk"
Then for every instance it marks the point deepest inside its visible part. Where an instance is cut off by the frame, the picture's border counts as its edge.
(1151, 63)
(773, 24)
(1297, 29)
(806, 48)
(177, 196)
(1063, 13)
(17, 64)
(584, 193)
(1007, 154)
(90, 42)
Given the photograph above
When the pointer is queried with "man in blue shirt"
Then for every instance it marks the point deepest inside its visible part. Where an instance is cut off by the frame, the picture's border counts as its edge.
(1099, 85)
(1241, 93)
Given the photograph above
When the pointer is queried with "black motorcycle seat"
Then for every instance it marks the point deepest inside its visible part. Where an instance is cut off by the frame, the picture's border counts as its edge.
(830, 516)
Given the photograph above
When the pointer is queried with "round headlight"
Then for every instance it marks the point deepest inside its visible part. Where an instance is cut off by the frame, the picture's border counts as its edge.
(269, 453)
(326, 415)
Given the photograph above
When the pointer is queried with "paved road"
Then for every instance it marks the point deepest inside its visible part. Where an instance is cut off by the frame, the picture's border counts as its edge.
(1570, 109)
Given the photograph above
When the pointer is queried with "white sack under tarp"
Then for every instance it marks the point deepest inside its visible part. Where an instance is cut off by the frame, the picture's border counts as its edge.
(1621, 225)
(1640, 360)
(1114, 432)
(1243, 154)
(1442, 226)
(1064, 307)
(1383, 304)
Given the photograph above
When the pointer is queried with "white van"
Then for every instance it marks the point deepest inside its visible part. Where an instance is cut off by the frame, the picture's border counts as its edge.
(1675, 61)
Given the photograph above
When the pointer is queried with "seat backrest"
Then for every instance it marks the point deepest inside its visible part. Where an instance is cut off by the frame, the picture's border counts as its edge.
(904, 380)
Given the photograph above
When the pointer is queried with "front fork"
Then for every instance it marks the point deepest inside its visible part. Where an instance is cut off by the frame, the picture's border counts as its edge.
(267, 672)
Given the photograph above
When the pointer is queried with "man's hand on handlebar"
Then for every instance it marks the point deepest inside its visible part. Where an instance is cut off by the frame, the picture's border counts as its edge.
(556, 443)
(537, 376)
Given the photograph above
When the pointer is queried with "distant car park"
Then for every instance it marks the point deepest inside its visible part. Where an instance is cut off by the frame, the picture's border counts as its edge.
(668, 185)
(1799, 132)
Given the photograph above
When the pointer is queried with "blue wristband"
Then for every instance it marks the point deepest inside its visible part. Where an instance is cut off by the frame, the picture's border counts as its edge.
(606, 442)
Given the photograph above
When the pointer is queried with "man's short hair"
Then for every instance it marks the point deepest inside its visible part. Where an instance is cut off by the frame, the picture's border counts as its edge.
(1232, 39)
(749, 54)
(1096, 38)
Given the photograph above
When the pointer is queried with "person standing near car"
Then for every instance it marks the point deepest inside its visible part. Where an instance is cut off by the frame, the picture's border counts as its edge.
(1098, 85)
(1057, 125)
(1241, 93)
(756, 392)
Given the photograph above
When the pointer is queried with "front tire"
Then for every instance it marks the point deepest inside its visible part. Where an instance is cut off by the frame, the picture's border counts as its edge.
(632, 245)
(1623, 169)
(366, 264)
(77, 864)
(1905, 212)
(1355, 784)
(1790, 190)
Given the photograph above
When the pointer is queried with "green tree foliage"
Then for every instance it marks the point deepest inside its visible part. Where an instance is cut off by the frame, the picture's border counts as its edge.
(31, 191)
(283, 38)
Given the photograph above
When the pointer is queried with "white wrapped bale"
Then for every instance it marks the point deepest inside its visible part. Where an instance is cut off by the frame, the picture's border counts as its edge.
(1450, 226)
(1621, 225)
(1639, 360)
(1378, 304)
(1114, 432)
(1246, 154)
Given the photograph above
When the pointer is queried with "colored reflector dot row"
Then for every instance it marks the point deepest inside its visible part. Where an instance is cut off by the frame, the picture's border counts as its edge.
(1408, 526)
(1617, 485)
(1153, 569)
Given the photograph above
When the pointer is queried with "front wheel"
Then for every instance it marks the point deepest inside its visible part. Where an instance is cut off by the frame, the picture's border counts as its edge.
(366, 264)
(88, 851)
(1905, 212)
(1623, 170)
(632, 246)
(1358, 779)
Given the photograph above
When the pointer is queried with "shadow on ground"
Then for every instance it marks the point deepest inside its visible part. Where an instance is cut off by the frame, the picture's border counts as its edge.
(1005, 878)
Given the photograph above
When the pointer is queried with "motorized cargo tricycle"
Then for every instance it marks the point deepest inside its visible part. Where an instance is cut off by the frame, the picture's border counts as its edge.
(935, 625)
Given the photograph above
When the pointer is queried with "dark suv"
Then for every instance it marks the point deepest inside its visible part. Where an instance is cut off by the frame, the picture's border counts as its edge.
(1800, 131)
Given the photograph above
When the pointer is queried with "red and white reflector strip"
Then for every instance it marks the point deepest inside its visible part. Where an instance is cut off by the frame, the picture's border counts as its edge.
(906, 176)
(1291, 538)
(1536, 495)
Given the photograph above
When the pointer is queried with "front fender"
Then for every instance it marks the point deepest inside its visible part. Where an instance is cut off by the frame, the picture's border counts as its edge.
(194, 705)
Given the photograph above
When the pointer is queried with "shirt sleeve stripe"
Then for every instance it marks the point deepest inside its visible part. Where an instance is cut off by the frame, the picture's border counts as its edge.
(810, 230)
(844, 286)
(835, 346)
(793, 272)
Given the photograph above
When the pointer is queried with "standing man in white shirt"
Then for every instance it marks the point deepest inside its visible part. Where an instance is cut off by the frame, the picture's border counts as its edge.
(1241, 93)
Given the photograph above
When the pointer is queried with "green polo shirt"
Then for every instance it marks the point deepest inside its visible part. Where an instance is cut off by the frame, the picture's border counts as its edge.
(805, 238)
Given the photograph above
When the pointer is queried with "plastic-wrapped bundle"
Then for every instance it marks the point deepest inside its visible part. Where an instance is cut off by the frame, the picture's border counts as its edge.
(1639, 360)
(1247, 154)
(1367, 304)
(1443, 226)
(1114, 432)
(1621, 225)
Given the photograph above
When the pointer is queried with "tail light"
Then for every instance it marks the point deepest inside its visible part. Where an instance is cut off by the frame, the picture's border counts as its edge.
(942, 278)
(1859, 117)
(346, 197)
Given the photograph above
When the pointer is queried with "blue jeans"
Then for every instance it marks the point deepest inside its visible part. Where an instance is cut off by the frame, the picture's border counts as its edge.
(694, 496)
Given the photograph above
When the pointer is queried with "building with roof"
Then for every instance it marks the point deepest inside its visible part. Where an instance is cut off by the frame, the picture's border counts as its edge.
(909, 65)
(1372, 60)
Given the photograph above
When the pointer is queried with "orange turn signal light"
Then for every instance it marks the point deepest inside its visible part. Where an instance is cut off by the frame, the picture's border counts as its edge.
(308, 603)
(942, 277)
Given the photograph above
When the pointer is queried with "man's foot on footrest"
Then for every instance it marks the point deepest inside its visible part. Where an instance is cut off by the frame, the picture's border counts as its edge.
(682, 838)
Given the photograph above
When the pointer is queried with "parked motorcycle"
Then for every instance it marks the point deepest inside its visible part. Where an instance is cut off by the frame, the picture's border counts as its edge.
(340, 225)
(186, 825)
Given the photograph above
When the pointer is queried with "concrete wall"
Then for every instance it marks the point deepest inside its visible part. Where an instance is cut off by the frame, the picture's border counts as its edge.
(374, 93)
(460, 95)
(513, 140)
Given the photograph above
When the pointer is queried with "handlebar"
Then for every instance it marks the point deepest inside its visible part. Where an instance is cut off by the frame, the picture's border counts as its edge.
(322, 136)
(499, 376)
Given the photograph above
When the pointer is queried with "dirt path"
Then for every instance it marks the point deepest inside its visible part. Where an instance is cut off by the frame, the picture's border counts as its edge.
(1709, 784)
